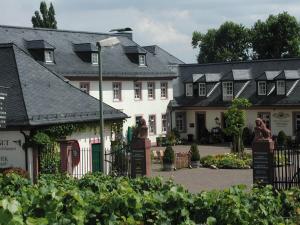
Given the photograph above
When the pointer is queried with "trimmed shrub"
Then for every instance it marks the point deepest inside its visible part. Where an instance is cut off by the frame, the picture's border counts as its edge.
(281, 138)
(194, 151)
(169, 155)
(16, 170)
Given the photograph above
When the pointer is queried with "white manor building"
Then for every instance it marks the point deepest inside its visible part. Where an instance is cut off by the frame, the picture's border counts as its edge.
(137, 80)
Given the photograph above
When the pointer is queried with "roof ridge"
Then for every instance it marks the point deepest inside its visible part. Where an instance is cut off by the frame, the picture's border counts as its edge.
(59, 30)
(239, 62)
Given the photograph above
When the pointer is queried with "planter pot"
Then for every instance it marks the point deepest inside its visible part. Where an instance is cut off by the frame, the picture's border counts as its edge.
(195, 164)
(168, 167)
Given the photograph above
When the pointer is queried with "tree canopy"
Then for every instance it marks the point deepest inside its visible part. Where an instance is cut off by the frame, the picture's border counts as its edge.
(45, 18)
(277, 37)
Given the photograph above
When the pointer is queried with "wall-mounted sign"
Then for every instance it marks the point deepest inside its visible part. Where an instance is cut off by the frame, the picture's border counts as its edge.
(281, 119)
(3, 113)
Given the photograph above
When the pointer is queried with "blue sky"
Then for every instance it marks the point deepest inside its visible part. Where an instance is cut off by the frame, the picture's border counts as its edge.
(167, 23)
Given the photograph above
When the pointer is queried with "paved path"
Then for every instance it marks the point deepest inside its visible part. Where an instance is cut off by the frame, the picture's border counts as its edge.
(196, 180)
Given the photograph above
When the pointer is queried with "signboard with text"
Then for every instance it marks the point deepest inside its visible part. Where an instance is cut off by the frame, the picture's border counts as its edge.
(3, 113)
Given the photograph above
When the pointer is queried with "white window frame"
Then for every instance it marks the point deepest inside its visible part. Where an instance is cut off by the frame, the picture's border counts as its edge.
(152, 124)
(262, 90)
(151, 90)
(280, 87)
(227, 90)
(117, 91)
(85, 86)
(164, 90)
(179, 120)
(137, 86)
(202, 89)
(137, 119)
(94, 58)
(49, 56)
(189, 89)
(164, 123)
(142, 60)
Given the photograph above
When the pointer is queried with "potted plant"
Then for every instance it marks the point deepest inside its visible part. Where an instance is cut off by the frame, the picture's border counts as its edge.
(168, 159)
(195, 156)
(159, 141)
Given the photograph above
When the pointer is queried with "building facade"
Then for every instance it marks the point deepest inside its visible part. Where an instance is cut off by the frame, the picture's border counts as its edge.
(206, 90)
(136, 80)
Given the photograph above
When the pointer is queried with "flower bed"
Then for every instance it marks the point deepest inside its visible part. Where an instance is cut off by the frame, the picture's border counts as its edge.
(228, 161)
(98, 199)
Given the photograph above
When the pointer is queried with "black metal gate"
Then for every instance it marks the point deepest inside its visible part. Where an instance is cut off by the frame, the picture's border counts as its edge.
(119, 160)
(286, 167)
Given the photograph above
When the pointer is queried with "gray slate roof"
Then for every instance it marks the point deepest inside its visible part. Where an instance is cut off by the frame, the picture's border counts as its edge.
(115, 61)
(36, 96)
(163, 55)
(245, 74)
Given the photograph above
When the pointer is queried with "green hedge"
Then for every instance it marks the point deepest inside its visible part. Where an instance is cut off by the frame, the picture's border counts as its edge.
(98, 199)
(228, 161)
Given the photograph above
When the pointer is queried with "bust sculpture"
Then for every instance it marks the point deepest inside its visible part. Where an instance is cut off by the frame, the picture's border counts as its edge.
(141, 130)
(261, 131)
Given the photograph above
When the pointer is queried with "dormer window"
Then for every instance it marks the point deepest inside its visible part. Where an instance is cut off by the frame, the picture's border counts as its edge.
(142, 60)
(202, 89)
(227, 91)
(189, 89)
(280, 87)
(94, 58)
(49, 57)
(262, 87)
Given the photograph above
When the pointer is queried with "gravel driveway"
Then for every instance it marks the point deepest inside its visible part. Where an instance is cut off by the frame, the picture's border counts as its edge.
(196, 180)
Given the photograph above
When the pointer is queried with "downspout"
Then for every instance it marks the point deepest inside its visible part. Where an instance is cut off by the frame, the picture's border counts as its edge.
(25, 148)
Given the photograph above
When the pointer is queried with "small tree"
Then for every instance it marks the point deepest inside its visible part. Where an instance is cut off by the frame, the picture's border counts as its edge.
(169, 155)
(281, 138)
(195, 155)
(45, 18)
(235, 122)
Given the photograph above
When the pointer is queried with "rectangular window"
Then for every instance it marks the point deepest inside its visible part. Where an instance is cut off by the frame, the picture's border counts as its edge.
(85, 87)
(280, 87)
(266, 117)
(189, 89)
(152, 124)
(95, 58)
(151, 90)
(180, 121)
(262, 87)
(227, 91)
(137, 90)
(164, 123)
(138, 119)
(202, 89)
(49, 58)
(117, 91)
(164, 90)
(142, 60)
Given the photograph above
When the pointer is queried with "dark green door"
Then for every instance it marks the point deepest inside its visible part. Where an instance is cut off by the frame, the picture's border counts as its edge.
(97, 158)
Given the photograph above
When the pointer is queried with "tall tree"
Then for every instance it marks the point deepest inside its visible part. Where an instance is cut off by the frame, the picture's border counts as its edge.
(45, 18)
(228, 43)
(277, 37)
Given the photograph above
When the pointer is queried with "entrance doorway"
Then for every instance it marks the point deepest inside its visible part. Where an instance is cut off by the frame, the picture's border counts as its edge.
(97, 158)
(200, 126)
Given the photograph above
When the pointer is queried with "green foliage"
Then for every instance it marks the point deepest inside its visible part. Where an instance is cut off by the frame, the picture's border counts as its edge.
(281, 138)
(235, 122)
(228, 161)
(169, 155)
(173, 137)
(195, 155)
(282, 33)
(228, 43)
(45, 18)
(99, 199)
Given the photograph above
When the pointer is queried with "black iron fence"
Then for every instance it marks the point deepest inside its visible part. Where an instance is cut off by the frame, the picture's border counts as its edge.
(286, 167)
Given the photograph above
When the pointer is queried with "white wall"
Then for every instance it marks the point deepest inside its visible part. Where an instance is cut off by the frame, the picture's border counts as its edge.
(131, 107)
(277, 124)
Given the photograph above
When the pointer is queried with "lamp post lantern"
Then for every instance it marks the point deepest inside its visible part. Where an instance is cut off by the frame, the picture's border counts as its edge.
(108, 42)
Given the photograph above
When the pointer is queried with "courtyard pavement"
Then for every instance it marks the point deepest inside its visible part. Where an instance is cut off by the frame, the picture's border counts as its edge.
(201, 179)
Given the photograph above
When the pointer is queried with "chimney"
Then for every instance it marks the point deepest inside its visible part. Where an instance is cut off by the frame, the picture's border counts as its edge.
(126, 32)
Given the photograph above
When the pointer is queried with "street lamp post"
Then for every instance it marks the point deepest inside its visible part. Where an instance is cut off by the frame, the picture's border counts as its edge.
(108, 42)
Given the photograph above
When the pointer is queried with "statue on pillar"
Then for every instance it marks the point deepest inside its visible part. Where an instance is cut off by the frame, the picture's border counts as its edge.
(261, 131)
(142, 130)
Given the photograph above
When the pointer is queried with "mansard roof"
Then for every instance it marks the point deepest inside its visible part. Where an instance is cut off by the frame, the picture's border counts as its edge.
(115, 61)
(244, 76)
(37, 96)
